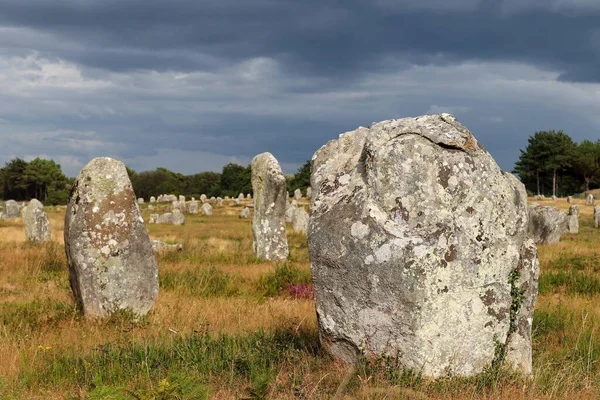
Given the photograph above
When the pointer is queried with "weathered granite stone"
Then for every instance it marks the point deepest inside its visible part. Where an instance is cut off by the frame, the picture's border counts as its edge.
(570, 199)
(289, 212)
(213, 200)
(554, 198)
(300, 220)
(140, 200)
(219, 202)
(111, 262)
(152, 199)
(237, 202)
(268, 221)
(590, 200)
(153, 219)
(178, 218)
(151, 207)
(308, 193)
(546, 224)
(166, 218)
(193, 207)
(245, 213)
(417, 241)
(297, 194)
(241, 196)
(573, 210)
(206, 209)
(159, 246)
(203, 198)
(37, 224)
(182, 199)
(596, 216)
(248, 196)
(11, 210)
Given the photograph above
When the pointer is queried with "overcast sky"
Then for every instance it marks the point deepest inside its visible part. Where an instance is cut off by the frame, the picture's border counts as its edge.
(194, 84)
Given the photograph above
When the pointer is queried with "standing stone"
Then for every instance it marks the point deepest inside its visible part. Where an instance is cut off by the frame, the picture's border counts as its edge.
(417, 240)
(140, 200)
(11, 210)
(219, 202)
(178, 218)
(151, 207)
(182, 199)
(206, 209)
(245, 214)
(573, 220)
(546, 224)
(553, 198)
(300, 220)
(37, 224)
(289, 212)
(159, 198)
(570, 199)
(241, 196)
(111, 263)
(160, 247)
(153, 219)
(590, 200)
(193, 207)
(268, 221)
(596, 216)
(152, 199)
(308, 193)
(227, 198)
(166, 218)
(203, 198)
(248, 196)
(213, 200)
(237, 202)
(297, 194)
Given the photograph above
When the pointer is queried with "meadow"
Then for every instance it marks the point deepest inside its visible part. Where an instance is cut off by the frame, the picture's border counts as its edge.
(226, 325)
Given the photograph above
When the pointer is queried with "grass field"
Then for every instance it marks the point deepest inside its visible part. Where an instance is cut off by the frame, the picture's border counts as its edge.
(226, 325)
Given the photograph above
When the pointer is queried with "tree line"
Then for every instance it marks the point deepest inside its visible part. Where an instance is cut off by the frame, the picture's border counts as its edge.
(553, 164)
(44, 180)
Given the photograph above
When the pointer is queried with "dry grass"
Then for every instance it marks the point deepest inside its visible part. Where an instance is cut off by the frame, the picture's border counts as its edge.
(214, 287)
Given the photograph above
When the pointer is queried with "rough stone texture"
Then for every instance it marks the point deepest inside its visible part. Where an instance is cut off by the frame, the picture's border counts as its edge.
(268, 221)
(213, 200)
(11, 210)
(151, 207)
(546, 224)
(182, 199)
(193, 207)
(308, 193)
(140, 200)
(573, 210)
(178, 218)
(241, 196)
(206, 209)
(152, 199)
(300, 220)
(159, 246)
(159, 198)
(111, 262)
(203, 198)
(245, 214)
(37, 224)
(219, 202)
(237, 202)
(153, 219)
(248, 196)
(416, 240)
(573, 220)
(289, 212)
(590, 200)
(297, 194)
(596, 216)
(166, 218)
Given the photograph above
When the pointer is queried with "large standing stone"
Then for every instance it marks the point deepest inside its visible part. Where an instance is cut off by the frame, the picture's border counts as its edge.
(37, 224)
(546, 224)
(111, 262)
(417, 240)
(573, 220)
(268, 221)
(300, 220)
(297, 194)
(206, 209)
(11, 210)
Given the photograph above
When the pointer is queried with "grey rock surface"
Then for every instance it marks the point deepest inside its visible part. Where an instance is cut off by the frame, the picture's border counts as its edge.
(11, 210)
(297, 194)
(178, 218)
(193, 207)
(37, 224)
(245, 213)
(207, 209)
(546, 224)
(573, 220)
(268, 221)
(159, 246)
(300, 220)
(417, 240)
(111, 262)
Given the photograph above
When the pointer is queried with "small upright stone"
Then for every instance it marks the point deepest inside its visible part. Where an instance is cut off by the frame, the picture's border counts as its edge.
(182, 199)
(151, 207)
(297, 194)
(166, 218)
(573, 220)
(590, 200)
(300, 220)
(213, 200)
(248, 196)
(193, 207)
(219, 202)
(111, 263)
(203, 198)
(152, 199)
(245, 214)
(596, 216)
(308, 193)
(241, 196)
(289, 212)
(11, 210)
(546, 224)
(140, 200)
(153, 219)
(237, 202)
(37, 224)
(206, 209)
(268, 221)
(570, 199)
(178, 218)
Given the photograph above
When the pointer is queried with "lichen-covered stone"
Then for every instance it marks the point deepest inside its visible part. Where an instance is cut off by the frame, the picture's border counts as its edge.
(289, 212)
(300, 220)
(297, 194)
(546, 224)
(416, 240)
(268, 221)
(590, 200)
(308, 193)
(11, 210)
(111, 262)
(206, 209)
(596, 216)
(37, 224)
(177, 218)
(573, 220)
(193, 207)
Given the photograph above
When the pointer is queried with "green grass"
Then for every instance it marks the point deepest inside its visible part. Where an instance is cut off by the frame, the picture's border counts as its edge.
(202, 282)
(273, 283)
(573, 282)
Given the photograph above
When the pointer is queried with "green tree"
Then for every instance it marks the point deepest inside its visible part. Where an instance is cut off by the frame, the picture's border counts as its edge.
(13, 183)
(42, 177)
(586, 161)
(236, 179)
(301, 179)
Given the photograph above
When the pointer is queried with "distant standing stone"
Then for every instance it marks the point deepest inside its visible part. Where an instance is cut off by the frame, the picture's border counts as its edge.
(248, 196)
(553, 198)
(11, 210)
(153, 219)
(193, 207)
(178, 217)
(241, 196)
(573, 220)
(297, 194)
(300, 220)
(596, 216)
(182, 199)
(237, 202)
(159, 246)
(289, 212)
(140, 201)
(152, 199)
(151, 207)
(203, 198)
(219, 202)
(309, 193)
(166, 218)
(570, 199)
(546, 224)
(268, 221)
(245, 213)
(590, 200)
(37, 224)
(206, 209)
(111, 263)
